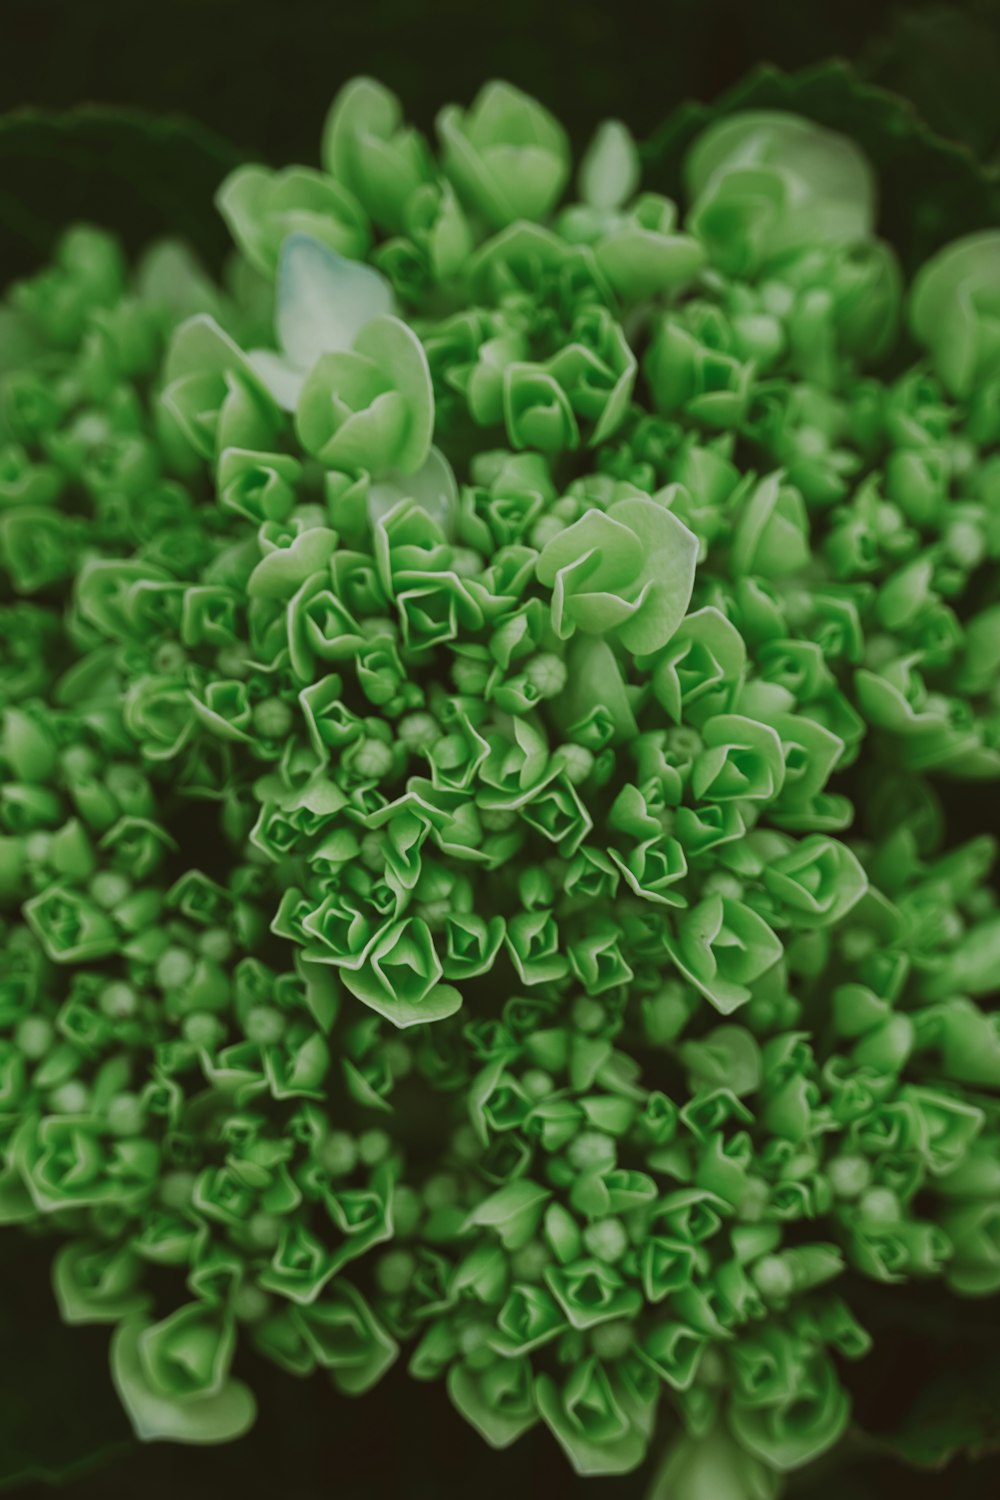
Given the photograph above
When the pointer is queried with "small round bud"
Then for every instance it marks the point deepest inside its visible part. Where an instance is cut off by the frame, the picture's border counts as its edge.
(547, 675)
(606, 1240)
(577, 762)
(684, 743)
(440, 1191)
(537, 1084)
(810, 442)
(394, 1272)
(753, 1200)
(849, 1175)
(176, 1189)
(465, 1143)
(373, 851)
(34, 1037)
(37, 846)
(712, 1370)
(722, 883)
(170, 659)
(405, 1211)
(264, 1025)
(118, 1001)
(372, 759)
(80, 763)
(880, 1206)
(70, 1098)
(264, 1230)
(857, 943)
(418, 731)
(434, 913)
(378, 627)
(472, 1338)
(470, 676)
(202, 1030)
(398, 1056)
(250, 1304)
(126, 1115)
(109, 888)
(338, 1154)
(773, 1278)
(373, 1147)
(964, 545)
(591, 1148)
(174, 968)
(215, 943)
(272, 718)
(497, 819)
(128, 786)
(588, 1015)
(612, 1340)
(233, 661)
(528, 1263)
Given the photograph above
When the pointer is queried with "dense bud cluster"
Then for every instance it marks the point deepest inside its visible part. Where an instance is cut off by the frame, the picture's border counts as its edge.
(473, 697)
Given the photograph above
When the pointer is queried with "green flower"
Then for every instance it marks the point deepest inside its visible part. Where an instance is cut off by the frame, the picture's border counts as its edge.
(262, 208)
(382, 825)
(772, 536)
(346, 1338)
(789, 1432)
(323, 302)
(691, 371)
(742, 761)
(212, 393)
(506, 155)
(498, 1400)
(399, 975)
(173, 1378)
(723, 948)
(97, 1283)
(643, 254)
(955, 312)
(590, 1421)
(766, 183)
(627, 573)
(366, 148)
(71, 928)
(590, 1292)
(371, 407)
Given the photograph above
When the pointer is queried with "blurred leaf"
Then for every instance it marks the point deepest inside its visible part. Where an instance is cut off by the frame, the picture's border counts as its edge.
(932, 190)
(946, 60)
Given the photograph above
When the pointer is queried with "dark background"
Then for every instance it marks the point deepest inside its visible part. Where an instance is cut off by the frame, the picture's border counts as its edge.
(259, 78)
(263, 75)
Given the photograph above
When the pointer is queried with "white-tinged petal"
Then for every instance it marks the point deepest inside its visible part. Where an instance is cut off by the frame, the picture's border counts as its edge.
(283, 379)
(433, 487)
(323, 300)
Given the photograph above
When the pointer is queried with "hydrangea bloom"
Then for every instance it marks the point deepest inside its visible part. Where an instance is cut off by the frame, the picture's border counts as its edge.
(475, 884)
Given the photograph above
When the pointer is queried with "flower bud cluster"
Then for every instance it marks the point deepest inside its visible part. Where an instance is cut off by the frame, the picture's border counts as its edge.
(472, 848)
